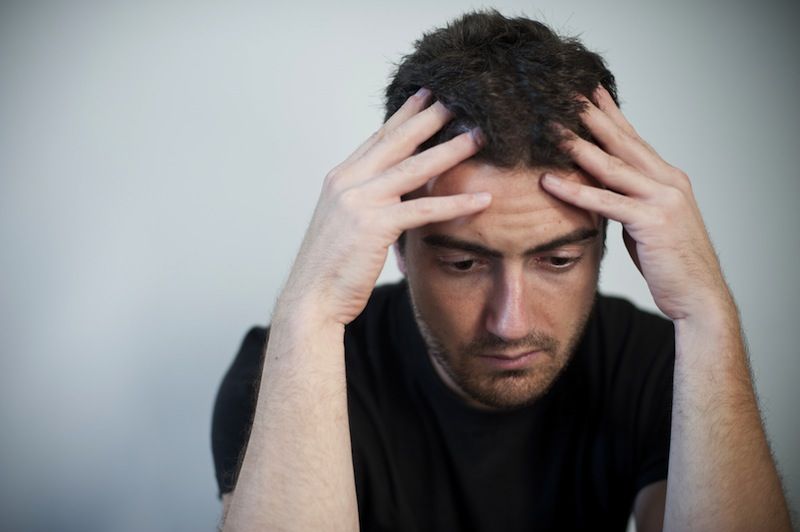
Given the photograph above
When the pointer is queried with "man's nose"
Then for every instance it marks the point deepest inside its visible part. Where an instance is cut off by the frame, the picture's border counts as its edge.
(507, 314)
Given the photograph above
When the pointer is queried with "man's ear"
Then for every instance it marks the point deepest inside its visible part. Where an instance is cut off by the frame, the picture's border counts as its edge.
(399, 257)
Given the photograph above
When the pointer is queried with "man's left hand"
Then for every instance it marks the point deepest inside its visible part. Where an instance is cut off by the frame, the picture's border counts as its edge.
(662, 225)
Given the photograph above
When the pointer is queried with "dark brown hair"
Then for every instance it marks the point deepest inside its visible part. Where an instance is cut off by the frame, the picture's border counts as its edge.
(513, 77)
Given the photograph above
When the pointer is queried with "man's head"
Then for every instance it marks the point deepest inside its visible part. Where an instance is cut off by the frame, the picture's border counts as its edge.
(520, 276)
(513, 77)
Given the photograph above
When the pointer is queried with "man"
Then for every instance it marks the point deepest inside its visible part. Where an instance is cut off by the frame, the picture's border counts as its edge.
(494, 389)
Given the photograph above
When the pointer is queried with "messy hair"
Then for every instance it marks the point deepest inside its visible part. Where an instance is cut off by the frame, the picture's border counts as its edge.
(513, 77)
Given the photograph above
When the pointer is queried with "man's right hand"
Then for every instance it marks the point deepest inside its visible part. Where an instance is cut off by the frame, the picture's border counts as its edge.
(299, 448)
(360, 214)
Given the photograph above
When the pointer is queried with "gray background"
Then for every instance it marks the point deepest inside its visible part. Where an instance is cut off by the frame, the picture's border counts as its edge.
(159, 162)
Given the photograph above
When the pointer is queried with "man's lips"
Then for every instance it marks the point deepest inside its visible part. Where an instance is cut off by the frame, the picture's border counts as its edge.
(510, 357)
(510, 361)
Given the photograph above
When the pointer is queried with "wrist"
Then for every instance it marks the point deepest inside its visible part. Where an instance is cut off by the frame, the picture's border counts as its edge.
(713, 313)
(300, 338)
(711, 337)
(302, 312)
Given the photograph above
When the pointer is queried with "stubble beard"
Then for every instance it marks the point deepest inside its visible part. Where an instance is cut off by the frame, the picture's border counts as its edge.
(506, 389)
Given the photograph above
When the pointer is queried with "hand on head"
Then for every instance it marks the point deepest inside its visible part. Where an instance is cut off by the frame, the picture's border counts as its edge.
(360, 213)
(662, 225)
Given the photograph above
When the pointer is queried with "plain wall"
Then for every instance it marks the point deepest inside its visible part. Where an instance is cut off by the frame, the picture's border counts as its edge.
(159, 162)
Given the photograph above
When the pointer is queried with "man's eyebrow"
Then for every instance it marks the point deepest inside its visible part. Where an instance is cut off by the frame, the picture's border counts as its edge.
(450, 242)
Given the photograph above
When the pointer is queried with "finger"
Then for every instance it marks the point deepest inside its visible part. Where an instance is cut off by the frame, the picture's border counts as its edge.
(413, 105)
(431, 209)
(416, 170)
(602, 201)
(619, 142)
(401, 141)
(609, 170)
(604, 101)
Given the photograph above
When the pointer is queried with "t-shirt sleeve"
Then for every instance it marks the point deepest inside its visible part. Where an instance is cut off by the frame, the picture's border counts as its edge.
(654, 415)
(234, 408)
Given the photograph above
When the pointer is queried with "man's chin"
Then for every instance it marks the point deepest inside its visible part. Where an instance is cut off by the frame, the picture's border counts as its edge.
(511, 391)
(504, 390)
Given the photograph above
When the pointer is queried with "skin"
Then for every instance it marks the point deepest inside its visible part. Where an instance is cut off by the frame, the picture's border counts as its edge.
(469, 304)
(299, 448)
(721, 474)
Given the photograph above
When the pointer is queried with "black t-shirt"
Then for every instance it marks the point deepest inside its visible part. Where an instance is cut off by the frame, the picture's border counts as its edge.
(425, 460)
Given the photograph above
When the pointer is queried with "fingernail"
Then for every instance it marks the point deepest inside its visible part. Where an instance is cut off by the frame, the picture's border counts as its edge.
(598, 94)
(423, 93)
(552, 180)
(478, 136)
(482, 197)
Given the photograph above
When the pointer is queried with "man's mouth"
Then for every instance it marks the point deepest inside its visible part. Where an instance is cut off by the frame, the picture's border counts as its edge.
(511, 356)
(512, 360)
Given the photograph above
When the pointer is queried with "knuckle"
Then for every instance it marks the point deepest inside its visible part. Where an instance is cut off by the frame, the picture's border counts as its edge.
(333, 176)
(681, 179)
(398, 135)
(613, 164)
(377, 134)
(411, 166)
(622, 137)
(673, 197)
(376, 137)
(608, 199)
(634, 135)
(362, 222)
(351, 198)
(656, 217)
(423, 207)
(659, 218)
(668, 218)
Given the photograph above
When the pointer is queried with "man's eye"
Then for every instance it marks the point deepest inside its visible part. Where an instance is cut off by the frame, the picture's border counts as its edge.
(461, 266)
(560, 263)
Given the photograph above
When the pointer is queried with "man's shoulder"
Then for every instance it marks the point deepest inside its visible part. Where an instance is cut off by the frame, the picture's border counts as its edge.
(382, 326)
(616, 316)
(383, 301)
(379, 301)
(245, 369)
(375, 315)
(627, 347)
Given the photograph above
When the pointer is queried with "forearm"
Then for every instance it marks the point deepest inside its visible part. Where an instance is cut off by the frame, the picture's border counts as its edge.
(721, 472)
(297, 472)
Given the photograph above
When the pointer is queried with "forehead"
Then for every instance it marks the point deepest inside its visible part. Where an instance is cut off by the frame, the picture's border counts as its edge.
(521, 214)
